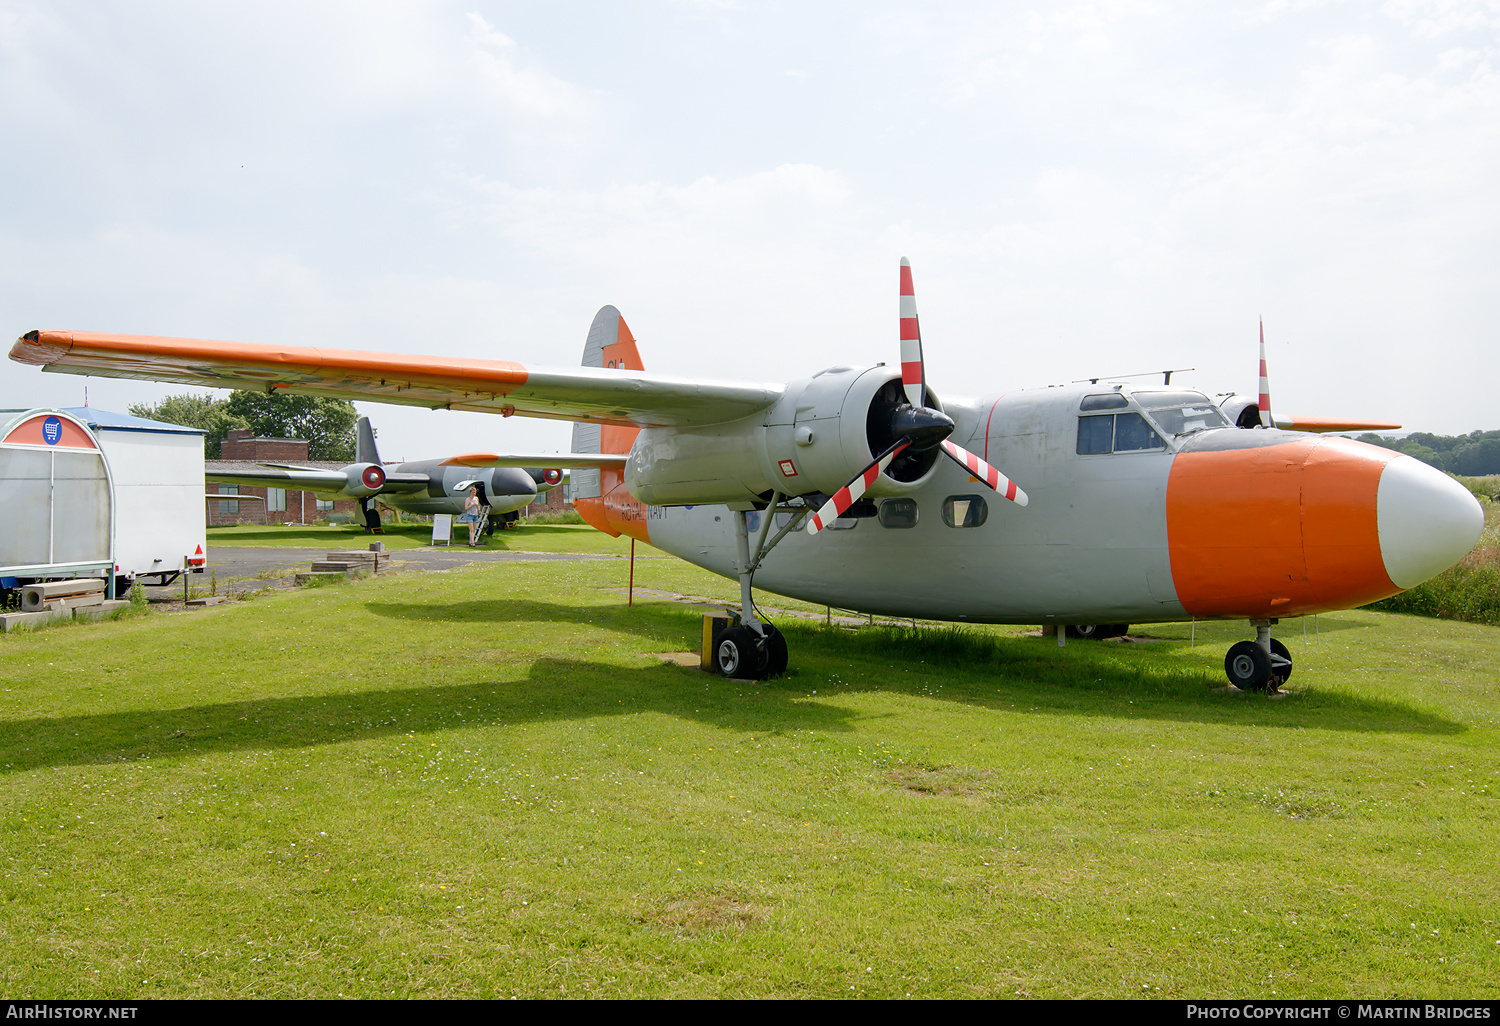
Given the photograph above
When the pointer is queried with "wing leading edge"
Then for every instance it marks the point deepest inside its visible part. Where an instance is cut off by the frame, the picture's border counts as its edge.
(607, 396)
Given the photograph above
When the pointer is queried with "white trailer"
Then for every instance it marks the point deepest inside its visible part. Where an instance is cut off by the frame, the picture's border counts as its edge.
(86, 493)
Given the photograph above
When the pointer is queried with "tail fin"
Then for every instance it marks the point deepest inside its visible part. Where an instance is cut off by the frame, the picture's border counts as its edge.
(364, 442)
(610, 344)
(600, 495)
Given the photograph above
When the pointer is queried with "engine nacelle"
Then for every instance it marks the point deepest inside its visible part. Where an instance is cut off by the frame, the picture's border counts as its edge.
(1242, 410)
(363, 480)
(821, 433)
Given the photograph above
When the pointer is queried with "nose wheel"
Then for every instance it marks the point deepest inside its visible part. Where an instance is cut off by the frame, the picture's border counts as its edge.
(1260, 665)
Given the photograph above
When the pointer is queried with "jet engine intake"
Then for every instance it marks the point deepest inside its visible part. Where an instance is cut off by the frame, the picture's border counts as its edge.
(363, 480)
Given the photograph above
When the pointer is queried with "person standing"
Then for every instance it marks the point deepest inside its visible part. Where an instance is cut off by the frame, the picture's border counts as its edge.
(471, 517)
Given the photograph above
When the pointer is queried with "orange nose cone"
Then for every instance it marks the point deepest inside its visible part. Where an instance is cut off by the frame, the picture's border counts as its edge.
(1279, 530)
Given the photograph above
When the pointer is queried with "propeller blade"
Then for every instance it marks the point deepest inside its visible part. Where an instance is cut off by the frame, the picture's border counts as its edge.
(997, 481)
(1265, 383)
(913, 376)
(851, 492)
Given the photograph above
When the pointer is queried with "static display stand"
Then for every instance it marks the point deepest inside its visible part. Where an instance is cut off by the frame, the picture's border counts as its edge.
(442, 528)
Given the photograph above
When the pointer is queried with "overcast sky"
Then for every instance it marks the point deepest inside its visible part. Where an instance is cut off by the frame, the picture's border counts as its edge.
(1082, 188)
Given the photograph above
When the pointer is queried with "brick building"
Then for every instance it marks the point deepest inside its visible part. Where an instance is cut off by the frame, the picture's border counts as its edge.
(243, 451)
(554, 500)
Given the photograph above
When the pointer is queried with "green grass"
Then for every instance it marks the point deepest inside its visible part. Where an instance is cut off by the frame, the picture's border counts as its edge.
(528, 538)
(482, 783)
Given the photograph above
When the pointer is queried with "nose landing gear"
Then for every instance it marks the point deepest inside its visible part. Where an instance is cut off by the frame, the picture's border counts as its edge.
(1260, 665)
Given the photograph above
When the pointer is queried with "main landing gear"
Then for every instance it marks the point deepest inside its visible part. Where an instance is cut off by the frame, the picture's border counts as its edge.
(1259, 665)
(372, 516)
(752, 649)
(1097, 631)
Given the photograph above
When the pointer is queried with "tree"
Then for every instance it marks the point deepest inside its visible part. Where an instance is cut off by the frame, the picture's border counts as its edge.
(326, 424)
(205, 411)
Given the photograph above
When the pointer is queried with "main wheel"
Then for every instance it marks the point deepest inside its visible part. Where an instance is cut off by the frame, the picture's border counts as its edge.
(1248, 666)
(1087, 631)
(740, 655)
(1116, 630)
(1281, 662)
(776, 655)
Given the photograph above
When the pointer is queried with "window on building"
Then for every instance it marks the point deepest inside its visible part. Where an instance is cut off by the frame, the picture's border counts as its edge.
(229, 509)
(898, 513)
(276, 500)
(965, 511)
(325, 505)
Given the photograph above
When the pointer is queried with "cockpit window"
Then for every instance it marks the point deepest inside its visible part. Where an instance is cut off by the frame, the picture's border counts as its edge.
(1132, 434)
(1182, 420)
(1181, 412)
(1118, 432)
(1108, 401)
(1155, 399)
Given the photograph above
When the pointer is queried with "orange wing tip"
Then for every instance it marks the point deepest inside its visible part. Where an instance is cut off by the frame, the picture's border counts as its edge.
(470, 459)
(41, 348)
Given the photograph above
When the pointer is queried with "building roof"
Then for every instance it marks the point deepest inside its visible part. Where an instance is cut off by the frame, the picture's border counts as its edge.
(97, 419)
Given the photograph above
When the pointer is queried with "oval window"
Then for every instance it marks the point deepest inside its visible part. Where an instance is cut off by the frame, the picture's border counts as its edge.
(965, 510)
(898, 513)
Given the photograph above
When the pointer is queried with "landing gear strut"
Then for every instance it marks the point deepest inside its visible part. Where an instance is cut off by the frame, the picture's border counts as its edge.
(1259, 665)
(752, 649)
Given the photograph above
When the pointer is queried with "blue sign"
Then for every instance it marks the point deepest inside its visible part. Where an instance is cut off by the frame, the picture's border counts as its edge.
(52, 430)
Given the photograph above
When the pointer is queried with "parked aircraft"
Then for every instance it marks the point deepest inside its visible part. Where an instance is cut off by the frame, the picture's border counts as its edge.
(1128, 504)
(422, 486)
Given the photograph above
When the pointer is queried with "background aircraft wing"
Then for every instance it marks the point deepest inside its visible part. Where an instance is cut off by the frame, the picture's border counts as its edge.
(484, 386)
(559, 461)
(310, 479)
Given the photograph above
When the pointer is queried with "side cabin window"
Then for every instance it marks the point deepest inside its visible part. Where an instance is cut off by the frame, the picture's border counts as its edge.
(898, 513)
(965, 511)
(1116, 432)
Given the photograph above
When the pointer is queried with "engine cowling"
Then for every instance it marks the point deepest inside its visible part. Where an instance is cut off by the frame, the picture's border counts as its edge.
(364, 480)
(821, 433)
(1242, 410)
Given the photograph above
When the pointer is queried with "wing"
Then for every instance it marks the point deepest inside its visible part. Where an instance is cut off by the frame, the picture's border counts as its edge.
(607, 396)
(1323, 424)
(555, 460)
(309, 479)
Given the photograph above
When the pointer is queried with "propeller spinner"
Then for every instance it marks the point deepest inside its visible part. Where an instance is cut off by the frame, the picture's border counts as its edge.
(913, 424)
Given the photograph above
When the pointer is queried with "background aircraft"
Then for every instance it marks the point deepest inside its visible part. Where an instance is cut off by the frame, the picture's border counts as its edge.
(422, 486)
(1127, 504)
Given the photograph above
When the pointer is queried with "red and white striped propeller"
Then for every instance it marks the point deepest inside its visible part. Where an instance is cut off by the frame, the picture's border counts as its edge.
(1265, 383)
(914, 424)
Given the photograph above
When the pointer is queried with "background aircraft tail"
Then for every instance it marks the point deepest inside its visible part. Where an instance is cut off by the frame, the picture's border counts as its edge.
(364, 442)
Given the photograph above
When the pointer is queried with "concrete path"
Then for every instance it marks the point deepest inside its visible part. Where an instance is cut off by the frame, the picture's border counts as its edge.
(240, 568)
